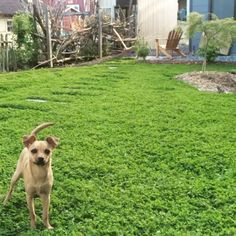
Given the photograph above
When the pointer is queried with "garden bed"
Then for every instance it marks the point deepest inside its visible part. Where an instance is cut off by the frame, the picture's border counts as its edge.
(222, 82)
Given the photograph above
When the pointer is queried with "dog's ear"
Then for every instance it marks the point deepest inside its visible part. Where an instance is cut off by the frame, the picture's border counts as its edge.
(28, 140)
(52, 141)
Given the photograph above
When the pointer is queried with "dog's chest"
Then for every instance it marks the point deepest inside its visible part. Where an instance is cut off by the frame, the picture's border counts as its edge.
(38, 180)
(40, 184)
(39, 188)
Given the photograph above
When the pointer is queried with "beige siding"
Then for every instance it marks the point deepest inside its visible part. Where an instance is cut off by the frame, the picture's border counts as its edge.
(156, 18)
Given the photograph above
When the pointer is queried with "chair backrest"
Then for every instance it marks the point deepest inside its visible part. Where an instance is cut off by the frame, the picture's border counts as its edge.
(174, 38)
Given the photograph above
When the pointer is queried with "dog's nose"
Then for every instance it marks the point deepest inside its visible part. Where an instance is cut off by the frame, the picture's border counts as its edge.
(40, 159)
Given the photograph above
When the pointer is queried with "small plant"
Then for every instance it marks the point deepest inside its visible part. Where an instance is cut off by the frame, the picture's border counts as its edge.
(211, 52)
(142, 49)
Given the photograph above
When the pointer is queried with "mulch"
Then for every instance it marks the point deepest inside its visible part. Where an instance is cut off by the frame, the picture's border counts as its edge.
(211, 81)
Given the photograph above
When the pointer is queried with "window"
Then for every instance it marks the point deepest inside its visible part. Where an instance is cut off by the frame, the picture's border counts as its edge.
(9, 26)
(182, 10)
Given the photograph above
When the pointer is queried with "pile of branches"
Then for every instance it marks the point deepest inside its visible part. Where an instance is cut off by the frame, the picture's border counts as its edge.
(79, 42)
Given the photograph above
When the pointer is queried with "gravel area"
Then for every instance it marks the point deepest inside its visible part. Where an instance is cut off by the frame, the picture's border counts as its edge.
(190, 59)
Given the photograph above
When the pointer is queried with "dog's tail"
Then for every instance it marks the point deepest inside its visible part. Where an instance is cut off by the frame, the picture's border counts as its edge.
(41, 127)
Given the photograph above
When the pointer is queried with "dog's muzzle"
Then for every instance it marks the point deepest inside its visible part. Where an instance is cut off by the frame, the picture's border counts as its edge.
(40, 161)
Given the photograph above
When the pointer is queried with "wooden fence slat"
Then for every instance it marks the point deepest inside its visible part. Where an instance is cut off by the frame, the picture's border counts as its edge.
(5, 58)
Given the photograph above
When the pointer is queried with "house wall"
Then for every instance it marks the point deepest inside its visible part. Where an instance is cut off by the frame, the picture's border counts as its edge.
(71, 23)
(223, 8)
(202, 7)
(156, 18)
(89, 5)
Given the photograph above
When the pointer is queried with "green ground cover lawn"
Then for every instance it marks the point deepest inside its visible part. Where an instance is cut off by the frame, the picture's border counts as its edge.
(140, 153)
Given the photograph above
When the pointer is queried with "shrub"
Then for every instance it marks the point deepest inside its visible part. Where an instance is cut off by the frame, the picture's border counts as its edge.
(211, 52)
(142, 49)
(26, 44)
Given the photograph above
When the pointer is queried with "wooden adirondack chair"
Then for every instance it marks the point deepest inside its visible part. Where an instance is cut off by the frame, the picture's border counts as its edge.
(171, 44)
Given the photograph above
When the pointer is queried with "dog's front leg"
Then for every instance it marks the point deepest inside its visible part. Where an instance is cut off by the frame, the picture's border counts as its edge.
(46, 202)
(30, 202)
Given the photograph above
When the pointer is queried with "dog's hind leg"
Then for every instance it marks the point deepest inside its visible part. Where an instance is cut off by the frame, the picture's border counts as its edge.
(14, 180)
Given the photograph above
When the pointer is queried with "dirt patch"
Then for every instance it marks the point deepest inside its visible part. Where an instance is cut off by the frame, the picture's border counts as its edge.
(220, 82)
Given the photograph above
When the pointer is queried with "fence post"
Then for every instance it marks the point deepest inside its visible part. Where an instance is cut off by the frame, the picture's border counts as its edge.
(99, 28)
(3, 52)
(49, 40)
(7, 52)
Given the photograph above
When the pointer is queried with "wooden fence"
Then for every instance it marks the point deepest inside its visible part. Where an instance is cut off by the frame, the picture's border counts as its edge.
(7, 54)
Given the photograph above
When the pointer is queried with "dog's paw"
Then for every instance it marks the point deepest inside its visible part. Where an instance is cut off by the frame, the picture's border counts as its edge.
(5, 201)
(2, 200)
(49, 227)
(32, 225)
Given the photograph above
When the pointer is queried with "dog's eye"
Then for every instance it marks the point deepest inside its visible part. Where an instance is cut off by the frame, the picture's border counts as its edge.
(34, 151)
(47, 151)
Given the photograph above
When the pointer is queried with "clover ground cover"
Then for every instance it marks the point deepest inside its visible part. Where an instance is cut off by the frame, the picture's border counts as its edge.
(140, 153)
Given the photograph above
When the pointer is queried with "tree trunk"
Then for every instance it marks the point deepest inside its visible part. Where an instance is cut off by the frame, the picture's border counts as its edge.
(204, 64)
(99, 10)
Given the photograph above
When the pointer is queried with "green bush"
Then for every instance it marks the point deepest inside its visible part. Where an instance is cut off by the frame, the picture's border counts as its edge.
(26, 44)
(142, 49)
(90, 50)
(211, 52)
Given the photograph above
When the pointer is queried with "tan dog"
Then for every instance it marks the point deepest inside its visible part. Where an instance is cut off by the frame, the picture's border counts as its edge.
(34, 165)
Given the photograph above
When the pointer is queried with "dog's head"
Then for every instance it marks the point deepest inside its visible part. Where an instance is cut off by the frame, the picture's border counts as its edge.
(40, 151)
